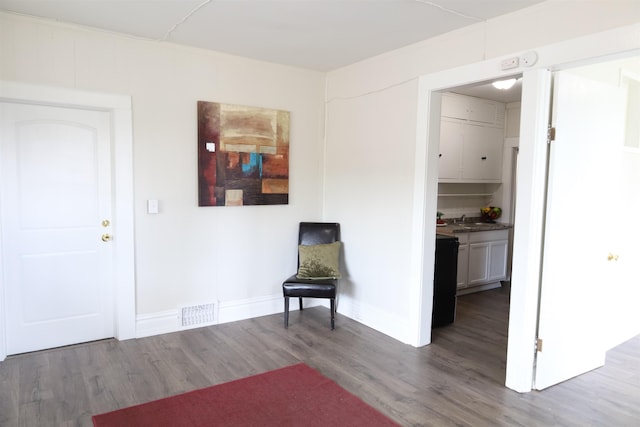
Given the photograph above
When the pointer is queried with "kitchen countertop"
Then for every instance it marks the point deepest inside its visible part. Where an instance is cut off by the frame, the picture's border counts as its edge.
(471, 227)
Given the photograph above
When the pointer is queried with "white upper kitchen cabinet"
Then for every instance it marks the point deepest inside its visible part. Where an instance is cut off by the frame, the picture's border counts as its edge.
(482, 153)
(471, 140)
(469, 152)
(473, 109)
(451, 146)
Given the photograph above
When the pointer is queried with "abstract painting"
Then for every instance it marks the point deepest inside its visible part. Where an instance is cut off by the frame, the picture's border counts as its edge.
(243, 155)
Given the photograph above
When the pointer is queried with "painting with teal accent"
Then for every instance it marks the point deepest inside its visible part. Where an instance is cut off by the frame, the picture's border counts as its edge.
(243, 155)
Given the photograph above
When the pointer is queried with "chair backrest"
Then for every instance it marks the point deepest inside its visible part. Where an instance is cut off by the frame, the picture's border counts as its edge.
(315, 233)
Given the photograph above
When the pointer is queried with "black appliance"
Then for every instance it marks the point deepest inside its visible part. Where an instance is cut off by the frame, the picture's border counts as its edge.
(445, 281)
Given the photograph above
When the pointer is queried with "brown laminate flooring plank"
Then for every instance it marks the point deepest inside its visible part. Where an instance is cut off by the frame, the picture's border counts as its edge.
(458, 380)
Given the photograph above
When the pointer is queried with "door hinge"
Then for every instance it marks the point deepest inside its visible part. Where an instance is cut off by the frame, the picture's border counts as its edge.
(538, 345)
(551, 134)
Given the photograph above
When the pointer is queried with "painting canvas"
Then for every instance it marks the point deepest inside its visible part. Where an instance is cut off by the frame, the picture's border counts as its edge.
(243, 155)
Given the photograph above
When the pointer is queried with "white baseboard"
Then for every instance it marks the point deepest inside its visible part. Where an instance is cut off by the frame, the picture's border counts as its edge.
(158, 323)
(168, 321)
(382, 321)
(480, 288)
(230, 311)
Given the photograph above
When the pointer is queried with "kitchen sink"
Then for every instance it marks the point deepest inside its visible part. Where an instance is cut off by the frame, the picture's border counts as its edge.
(472, 225)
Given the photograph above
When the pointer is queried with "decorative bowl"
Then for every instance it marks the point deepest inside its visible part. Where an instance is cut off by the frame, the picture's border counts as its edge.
(490, 214)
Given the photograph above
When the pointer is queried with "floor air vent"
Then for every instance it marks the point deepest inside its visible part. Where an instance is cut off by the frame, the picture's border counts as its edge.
(197, 315)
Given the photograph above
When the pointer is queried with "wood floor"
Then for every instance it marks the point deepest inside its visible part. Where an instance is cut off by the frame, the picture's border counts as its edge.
(458, 380)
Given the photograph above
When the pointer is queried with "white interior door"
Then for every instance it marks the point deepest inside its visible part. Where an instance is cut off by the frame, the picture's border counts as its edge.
(56, 206)
(589, 119)
(623, 269)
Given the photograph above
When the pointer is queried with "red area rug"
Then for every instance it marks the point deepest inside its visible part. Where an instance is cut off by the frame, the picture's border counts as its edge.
(293, 396)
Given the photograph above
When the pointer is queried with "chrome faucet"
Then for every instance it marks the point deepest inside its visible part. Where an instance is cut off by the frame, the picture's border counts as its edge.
(459, 220)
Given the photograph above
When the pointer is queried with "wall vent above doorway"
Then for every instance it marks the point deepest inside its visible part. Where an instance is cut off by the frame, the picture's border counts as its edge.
(198, 315)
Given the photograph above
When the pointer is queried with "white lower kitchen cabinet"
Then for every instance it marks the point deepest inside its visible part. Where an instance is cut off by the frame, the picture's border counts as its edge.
(482, 260)
(478, 263)
(463, 260)
(497, 260)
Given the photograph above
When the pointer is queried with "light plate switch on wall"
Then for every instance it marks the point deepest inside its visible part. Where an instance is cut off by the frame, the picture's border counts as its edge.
(152, 206)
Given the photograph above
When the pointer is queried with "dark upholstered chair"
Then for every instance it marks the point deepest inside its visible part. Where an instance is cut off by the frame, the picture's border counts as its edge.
(312, 233)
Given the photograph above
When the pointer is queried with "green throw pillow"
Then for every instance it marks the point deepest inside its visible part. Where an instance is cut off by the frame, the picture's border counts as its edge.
(319, 261)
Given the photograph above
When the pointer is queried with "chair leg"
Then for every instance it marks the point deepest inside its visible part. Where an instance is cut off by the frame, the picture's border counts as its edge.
(300, 302)
(286, 312)
(333, 313)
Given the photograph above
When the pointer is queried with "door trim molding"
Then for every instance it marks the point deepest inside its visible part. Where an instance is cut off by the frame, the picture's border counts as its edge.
(119, 108)
(618, 42)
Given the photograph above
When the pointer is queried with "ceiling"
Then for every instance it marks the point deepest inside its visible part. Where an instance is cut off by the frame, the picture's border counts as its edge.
(487, 91)
(316, 34)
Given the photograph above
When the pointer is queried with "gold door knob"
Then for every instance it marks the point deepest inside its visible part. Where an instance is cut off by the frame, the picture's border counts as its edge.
(106, 237)
(612, 257)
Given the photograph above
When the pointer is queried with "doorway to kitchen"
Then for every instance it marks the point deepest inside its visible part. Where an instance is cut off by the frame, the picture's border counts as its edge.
(479, 135)
(533, 216)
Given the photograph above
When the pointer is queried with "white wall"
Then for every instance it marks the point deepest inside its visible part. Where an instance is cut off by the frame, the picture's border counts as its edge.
(369, 188)
(376, 154)
(187, 254)
(358, 98)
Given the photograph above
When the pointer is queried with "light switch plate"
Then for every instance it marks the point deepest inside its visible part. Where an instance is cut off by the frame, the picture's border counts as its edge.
(152, 206)
(510, 63)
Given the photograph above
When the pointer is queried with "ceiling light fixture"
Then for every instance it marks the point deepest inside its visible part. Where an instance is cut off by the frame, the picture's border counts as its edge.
(504, 84)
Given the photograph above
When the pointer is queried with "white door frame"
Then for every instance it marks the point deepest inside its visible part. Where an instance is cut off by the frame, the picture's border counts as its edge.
(119, 107)
(531, 183)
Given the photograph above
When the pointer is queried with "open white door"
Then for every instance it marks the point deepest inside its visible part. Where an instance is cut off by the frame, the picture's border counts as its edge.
(623, 269)
(588, 116)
